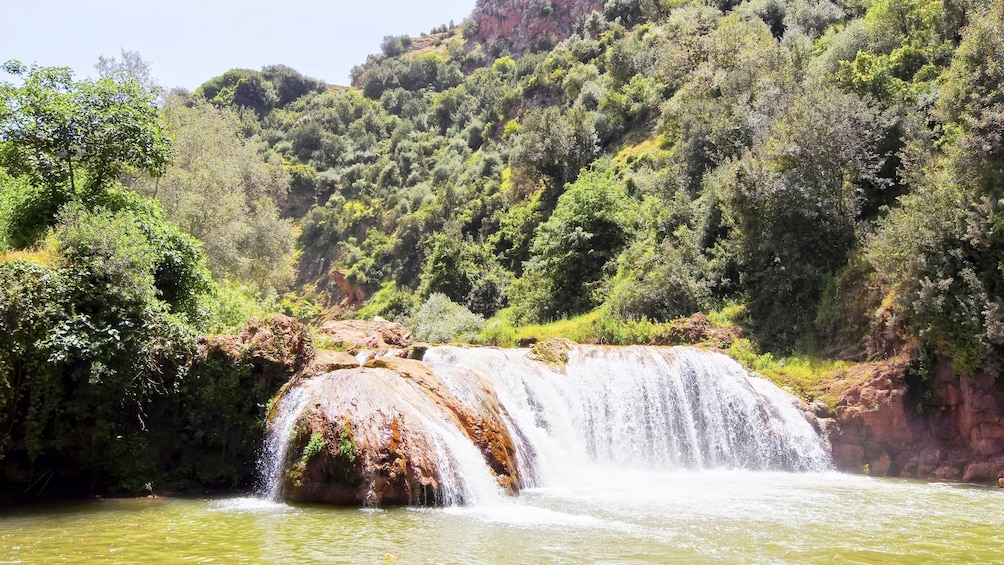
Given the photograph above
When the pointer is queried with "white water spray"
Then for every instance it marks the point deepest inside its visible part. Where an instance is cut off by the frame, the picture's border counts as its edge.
(644, 408)
(607, 412)
(287, 412)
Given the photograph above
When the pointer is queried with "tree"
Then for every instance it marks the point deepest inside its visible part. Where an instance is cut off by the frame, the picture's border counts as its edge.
(224, 192)
(554, 145)
(571, 249)
(972, 105)
(130, 67)
(90, 337)
(55, 128)
(794, 200)
(940, 250)
(290, 84)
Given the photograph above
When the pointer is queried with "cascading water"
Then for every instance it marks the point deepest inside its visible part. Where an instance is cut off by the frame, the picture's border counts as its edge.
(440, 425)
(643, 408)
(277, 443)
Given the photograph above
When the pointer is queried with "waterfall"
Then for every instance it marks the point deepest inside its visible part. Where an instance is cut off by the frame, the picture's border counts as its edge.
(471, 422)
(644, 408)
(270, 465)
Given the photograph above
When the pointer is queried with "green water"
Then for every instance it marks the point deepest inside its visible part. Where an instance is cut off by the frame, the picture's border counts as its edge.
(730, 517)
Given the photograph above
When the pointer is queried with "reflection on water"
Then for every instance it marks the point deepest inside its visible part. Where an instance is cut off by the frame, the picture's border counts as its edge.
(622, 517)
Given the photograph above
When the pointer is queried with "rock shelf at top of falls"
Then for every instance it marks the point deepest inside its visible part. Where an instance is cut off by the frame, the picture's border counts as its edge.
(468, 426)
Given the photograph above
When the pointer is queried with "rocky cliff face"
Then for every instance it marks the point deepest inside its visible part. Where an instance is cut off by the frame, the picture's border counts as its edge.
(957, 435)
(520, 24)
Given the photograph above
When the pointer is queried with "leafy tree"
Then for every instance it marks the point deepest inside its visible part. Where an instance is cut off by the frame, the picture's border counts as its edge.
(222, 190)
(571, 249)
(290, 84)
(794, 202)
(660, 281)
(445, 270)
(394, 45)
(440, 320)
(940, 250)
(554, 145)
(91, 340)
(55, 128)
(131, 66)
(972, 104)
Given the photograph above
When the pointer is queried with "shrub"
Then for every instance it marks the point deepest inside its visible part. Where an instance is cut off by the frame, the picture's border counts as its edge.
(442, 320)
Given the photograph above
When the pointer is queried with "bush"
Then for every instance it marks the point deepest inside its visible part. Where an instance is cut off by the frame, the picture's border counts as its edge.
(441, 320)
(231, 304)
(390, 302)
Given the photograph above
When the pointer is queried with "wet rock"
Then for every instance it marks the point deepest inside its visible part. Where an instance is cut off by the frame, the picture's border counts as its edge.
(326, 361)
(553, 351)
(376, 435)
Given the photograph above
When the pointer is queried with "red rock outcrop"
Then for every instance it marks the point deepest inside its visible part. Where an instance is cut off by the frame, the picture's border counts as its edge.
(369, 436)
(522, 23)
(353, 296)
(956, 435)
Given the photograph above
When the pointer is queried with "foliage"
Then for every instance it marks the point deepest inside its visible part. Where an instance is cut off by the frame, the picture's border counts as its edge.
(390, 302)
(939, 250)
(795, 201)
(54, 128)
(231, 304)
(313, 447)
(441, 320)
(223, 191)
(93, 341)
(570, 249)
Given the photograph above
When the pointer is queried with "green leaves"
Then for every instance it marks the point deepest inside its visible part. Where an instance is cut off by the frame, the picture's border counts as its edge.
(941, 249)
(56, 128)
(570, 249)
(794, 202)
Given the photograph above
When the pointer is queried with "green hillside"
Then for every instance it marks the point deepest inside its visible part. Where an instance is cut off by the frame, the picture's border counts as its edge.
(829, 165)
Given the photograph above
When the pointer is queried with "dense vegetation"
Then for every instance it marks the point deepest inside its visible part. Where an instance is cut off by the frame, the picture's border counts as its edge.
(832, 167)
(102, 300)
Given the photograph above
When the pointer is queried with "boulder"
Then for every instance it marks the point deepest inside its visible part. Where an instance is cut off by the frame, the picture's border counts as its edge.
(275, 347)
(553, 351)
(358, 335)
(325, 361)
(376, 435)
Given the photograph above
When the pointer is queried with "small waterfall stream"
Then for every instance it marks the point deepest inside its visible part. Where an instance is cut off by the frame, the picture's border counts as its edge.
(277, 443)
(629, 408)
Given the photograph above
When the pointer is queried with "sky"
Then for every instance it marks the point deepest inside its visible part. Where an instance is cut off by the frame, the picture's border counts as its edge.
(187, 42)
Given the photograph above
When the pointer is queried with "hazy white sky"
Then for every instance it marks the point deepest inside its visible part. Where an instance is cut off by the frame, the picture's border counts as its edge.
(188, 41)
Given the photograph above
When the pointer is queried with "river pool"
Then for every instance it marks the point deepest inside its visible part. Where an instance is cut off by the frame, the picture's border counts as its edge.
(615, 517)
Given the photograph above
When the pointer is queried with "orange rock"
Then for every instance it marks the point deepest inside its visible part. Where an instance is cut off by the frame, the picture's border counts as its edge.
(380, 442)
(357, 335)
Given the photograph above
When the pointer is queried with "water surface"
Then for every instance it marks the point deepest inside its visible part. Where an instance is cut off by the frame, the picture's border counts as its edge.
(600, 517)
